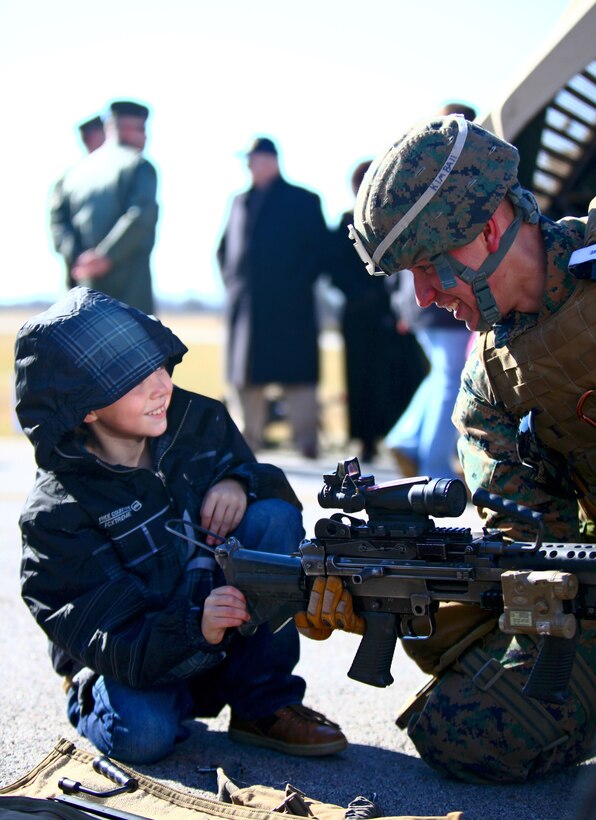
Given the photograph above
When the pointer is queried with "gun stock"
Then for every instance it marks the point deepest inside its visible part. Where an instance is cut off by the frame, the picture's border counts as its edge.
(274, 585)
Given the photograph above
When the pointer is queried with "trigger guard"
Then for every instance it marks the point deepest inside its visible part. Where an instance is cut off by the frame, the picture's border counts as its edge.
(410, 635)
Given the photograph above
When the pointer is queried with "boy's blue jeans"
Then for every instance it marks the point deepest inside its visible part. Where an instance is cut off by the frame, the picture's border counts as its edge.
(255, 678)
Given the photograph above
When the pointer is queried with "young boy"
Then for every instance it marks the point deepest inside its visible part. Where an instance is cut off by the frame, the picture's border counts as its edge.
(140, 621)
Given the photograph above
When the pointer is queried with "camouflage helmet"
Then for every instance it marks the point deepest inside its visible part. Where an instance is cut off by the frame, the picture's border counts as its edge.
(434, 189)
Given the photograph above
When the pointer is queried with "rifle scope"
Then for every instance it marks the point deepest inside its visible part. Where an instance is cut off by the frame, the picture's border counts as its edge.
(347, 489)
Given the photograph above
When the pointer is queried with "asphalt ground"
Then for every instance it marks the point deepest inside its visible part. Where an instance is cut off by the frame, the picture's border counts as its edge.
(380, 758)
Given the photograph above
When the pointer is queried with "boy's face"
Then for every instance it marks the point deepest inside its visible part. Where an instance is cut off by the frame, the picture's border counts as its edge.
(140, 413)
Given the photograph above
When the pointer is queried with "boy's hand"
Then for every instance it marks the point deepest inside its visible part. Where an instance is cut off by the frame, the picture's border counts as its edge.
(224, 607)
(223, 508)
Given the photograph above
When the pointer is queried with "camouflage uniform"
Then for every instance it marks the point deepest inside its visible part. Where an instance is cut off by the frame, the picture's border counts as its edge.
(426, 195)
(487, 447)
(477, 725)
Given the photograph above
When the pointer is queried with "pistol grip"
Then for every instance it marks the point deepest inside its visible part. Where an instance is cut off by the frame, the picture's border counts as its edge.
(372, 662)
(549, 678)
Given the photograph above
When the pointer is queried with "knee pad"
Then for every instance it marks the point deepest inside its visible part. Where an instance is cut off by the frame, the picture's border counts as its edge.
(477, 725)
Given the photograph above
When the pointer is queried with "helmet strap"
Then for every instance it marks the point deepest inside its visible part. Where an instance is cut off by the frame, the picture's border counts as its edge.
(447, 267)
(524, 203)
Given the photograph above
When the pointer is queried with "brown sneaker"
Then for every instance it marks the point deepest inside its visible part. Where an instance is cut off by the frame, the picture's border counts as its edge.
(295, 730)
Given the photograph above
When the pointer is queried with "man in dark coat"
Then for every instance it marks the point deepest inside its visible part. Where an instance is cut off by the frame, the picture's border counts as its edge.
(270, 256)
(382, 367)
(104, 212)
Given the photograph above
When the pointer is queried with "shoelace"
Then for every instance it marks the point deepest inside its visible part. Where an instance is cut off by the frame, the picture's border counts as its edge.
(309, 714)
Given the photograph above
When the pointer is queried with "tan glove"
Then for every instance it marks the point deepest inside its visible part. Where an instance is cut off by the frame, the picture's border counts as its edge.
(329, 607)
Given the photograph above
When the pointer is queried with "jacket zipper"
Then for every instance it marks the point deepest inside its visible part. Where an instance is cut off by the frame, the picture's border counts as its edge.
(159, 472)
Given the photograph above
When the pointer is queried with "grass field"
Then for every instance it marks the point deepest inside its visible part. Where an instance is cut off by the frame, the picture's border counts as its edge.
(202, 369)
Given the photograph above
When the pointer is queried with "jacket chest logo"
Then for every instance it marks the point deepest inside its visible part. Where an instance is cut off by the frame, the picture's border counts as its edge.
(118, 516)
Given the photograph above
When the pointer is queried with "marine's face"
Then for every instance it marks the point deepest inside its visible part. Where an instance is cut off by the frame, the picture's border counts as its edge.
(94, 139)
(131, 131)
(460, 300)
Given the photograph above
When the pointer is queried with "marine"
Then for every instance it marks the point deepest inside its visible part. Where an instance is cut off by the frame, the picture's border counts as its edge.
(445, 203)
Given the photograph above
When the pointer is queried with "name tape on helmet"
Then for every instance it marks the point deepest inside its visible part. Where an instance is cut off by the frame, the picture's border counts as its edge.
(424, 199)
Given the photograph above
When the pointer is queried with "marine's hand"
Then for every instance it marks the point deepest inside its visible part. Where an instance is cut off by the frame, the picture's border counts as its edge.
(90, 265)
(329, 607)
(224, 607)
(223, 508)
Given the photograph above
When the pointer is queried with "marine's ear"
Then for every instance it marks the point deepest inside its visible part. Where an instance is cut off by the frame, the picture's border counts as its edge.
(492, 234)
(90, 417)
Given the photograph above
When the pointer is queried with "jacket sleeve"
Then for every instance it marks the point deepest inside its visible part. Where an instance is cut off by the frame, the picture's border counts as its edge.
(221, 252)
(61, 228)
(135, 227)
(236, 460)
(97, 611)
(488, 453)
(315, 236)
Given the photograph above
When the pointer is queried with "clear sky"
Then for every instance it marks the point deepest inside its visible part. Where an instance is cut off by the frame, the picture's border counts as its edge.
(332, 81)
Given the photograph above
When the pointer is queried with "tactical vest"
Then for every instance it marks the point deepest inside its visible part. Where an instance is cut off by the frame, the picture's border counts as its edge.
(549, 368)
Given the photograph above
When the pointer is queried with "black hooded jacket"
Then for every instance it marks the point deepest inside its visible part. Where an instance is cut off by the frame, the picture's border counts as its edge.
(112, 588)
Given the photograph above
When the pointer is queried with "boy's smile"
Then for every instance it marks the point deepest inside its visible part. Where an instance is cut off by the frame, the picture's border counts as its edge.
(118, 432)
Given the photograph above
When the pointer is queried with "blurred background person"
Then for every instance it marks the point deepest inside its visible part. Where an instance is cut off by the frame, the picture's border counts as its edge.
(424, 440)
(270, 256)
(93, 135)
(382, 367)
(103, 222)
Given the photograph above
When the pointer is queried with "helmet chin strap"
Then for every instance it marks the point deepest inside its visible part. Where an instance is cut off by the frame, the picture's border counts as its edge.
(448, 268)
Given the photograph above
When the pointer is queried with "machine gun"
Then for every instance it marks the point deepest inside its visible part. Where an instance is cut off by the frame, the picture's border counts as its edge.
(398, 566)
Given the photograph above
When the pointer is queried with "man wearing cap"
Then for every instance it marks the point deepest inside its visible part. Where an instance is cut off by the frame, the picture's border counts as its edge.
(445, 203)
(93, 135)
(103, 221)
(270, 256)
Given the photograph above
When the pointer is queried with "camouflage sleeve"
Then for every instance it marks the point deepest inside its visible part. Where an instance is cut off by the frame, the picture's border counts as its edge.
(487, 451)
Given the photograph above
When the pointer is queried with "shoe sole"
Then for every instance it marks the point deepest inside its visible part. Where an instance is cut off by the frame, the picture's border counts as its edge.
(305, 750)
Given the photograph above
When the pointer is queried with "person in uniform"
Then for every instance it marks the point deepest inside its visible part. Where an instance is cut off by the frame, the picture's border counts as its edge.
(445, 203)
(92, 133)
(104, 213)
